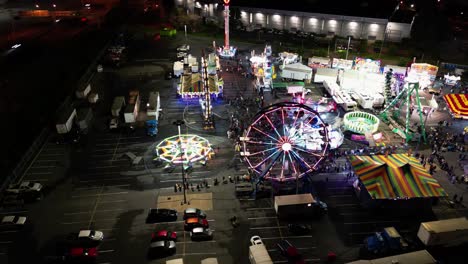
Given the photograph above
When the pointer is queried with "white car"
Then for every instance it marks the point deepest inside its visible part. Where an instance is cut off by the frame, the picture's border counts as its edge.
(114, 123)
(181, 54)
(25, 187)
(14, 220)
(256, 240)
(91, 235)
(184, 47)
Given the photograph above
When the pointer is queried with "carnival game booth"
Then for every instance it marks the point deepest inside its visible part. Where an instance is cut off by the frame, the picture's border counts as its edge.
(457, 104)
(319, 62)
(191, 85)
(394, 181)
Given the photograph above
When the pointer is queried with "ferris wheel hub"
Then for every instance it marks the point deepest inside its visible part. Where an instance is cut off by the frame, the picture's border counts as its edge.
(286, 146)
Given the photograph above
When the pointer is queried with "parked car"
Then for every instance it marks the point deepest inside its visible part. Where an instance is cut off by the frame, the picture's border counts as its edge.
(256, 240)
(194, 212)
(298, 229)
(290, 252)
(191, 223)
(163, 235)
(83, 253)
(161, 215)
(201, 233)
(162, 248)
(92, 235)
(181, 54)
(184, 48)
(14, 220)
(23, 187)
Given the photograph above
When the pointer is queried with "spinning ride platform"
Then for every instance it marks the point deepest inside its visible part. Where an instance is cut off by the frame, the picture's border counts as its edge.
(361, 122)
(185, 148)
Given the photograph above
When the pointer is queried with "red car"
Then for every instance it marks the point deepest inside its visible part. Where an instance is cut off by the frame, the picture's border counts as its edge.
(79, 252)
(163, 235)
(191, 223)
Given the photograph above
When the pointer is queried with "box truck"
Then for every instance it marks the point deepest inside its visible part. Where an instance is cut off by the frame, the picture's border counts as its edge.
(65, 120)
(117, 105)
(258, 254)
(449, 232)
(154, 105)
(299, 205)
(297, 71)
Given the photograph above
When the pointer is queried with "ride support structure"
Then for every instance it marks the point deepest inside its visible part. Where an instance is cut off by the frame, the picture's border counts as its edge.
(409, 96)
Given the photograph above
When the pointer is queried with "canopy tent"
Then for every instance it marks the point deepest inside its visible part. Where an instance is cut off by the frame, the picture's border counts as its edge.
(458, 105)
(396, 176)
(192, 84)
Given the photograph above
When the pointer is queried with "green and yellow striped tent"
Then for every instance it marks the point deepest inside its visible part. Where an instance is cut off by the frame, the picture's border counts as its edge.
(396, 176)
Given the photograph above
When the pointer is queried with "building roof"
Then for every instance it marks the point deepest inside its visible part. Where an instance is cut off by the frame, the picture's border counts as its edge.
(396, 176)
(359, 8)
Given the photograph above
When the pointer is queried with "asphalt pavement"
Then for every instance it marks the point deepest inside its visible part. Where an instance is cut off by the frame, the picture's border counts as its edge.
(94, 185)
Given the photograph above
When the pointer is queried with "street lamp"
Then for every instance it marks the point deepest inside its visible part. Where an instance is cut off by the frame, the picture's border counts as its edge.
(178, 123)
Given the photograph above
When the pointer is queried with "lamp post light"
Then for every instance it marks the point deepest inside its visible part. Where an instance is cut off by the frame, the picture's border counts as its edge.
(178, 123)
(347, 49)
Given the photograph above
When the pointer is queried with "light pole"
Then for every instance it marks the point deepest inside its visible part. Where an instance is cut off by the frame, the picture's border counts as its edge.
(347, 49)
(178, 123)
(185, 29)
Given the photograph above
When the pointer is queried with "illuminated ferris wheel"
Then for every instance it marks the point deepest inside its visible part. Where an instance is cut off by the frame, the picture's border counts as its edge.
(285, 142)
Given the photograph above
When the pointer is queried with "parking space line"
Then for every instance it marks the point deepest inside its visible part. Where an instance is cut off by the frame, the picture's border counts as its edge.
(304, 248)
(14, 212)
(103, 167)
(107, 179)
(6, 242)
(114, 201)
(108, 229)
(267, 227)
(42, 167)
(34, 160)
(267, 238)
(190, 242)
(198, 253)
(263, 217)
(39, 173)
(373, 222)
(78, 213)
(106, 251)
(9, 231)
(83, 222)
(98, 194)
(190, 179)
(95, 207)
(259, 208)
(108, 186)
(286, 261)
(39, 180)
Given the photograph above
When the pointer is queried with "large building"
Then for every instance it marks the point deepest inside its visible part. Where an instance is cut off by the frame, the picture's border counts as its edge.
(328, 24)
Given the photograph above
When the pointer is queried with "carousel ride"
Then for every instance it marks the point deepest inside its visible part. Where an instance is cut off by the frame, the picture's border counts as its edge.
(361, 122)
(286, 141)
